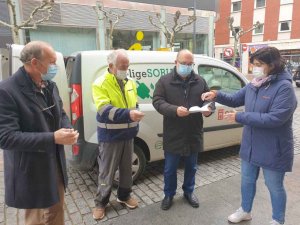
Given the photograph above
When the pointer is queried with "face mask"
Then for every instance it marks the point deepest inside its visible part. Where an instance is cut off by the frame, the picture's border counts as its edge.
(184, 70)
(258, 72)
(121, 74)
(51, 73)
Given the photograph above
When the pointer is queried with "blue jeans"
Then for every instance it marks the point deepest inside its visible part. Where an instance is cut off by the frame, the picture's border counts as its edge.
(170, 173)
(274, 182)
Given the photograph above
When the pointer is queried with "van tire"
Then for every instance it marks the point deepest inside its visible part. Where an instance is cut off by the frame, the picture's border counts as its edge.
(138, 165)
(298, 84)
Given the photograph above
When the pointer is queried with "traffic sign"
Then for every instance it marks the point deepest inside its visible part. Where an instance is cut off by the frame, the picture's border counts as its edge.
(228, 52)
(244, 47)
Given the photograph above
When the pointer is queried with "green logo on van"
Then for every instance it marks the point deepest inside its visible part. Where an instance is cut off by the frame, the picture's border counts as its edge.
(143, 90)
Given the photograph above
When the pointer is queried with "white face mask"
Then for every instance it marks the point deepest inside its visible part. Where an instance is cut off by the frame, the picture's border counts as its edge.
(258, 72)
(121, 74)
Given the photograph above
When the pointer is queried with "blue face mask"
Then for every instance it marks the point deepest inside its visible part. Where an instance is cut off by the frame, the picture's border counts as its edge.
(184, 70)
(51, 73)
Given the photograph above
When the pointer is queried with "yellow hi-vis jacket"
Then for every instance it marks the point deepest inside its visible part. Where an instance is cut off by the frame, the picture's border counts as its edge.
(113, 107)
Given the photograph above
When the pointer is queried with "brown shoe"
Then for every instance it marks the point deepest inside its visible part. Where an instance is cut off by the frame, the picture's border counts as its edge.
(130, 203)
(98, 213)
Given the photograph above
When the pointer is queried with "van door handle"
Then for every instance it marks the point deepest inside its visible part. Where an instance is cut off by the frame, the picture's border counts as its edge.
(160, 135)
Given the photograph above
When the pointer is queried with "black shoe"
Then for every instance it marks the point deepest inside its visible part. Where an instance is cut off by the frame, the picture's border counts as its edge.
(192, 200)
(166, 203)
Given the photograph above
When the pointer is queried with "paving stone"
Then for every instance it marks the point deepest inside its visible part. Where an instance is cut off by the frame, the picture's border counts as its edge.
(76, 218)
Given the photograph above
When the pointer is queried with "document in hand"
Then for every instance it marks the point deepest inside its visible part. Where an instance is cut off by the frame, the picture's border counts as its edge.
(206, 108)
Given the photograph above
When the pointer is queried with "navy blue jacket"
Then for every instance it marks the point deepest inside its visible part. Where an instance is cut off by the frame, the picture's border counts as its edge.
(267, 136)
(31, 157)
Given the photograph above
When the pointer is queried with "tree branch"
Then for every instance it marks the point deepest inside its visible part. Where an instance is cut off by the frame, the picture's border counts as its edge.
(12, 6)
(256, 25)
(6, 24)
(166, 31)
(45, 6)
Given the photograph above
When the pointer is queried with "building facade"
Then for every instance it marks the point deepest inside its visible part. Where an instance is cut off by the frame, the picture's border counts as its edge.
(5, 33)
(280, 28)
(74, 25)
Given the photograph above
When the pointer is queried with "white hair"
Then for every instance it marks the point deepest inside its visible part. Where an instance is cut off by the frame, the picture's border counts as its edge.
(112, 57)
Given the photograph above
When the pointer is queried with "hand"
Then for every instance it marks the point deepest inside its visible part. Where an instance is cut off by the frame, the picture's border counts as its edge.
(206, 113)
(182, 111)
(136, 115)
(208, 96)
(230, 116)
(66, 136)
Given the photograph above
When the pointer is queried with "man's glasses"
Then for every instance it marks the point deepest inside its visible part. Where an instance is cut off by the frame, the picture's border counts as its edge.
(187, 64)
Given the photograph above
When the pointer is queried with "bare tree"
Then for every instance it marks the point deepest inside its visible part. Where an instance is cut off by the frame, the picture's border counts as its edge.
(237, 34)
(38, 15)
(112, 18)
(170, 33)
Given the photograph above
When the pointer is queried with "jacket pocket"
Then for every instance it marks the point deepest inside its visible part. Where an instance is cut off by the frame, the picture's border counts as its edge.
(23, 165)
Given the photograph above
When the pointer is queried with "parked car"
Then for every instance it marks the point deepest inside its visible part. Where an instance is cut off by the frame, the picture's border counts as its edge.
(296, 76)
(146, 67)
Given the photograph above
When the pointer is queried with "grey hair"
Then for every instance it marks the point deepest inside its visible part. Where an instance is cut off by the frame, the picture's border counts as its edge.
(34, 49)
(112, 57)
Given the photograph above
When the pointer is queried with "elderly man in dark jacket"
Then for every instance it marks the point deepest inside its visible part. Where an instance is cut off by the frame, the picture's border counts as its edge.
(33, 130)
(174, 94)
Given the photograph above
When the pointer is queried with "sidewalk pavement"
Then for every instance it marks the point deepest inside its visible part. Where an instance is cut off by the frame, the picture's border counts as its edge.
(217, 201)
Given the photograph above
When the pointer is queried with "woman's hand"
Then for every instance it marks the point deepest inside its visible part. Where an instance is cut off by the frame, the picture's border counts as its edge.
(230, 116)
(209, 96)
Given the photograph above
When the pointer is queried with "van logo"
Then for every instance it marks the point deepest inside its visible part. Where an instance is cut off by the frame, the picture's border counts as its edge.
(143, 90)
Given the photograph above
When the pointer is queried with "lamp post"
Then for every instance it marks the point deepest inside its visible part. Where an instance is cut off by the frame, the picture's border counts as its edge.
(194, 26)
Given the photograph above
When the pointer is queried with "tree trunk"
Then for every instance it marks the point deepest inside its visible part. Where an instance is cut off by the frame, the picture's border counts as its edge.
(235, 51)
(15, 36)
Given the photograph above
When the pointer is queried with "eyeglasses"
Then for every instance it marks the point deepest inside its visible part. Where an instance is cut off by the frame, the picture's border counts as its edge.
(187, 64)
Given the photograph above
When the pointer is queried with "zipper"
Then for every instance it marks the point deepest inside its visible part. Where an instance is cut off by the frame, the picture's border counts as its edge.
(123, 93)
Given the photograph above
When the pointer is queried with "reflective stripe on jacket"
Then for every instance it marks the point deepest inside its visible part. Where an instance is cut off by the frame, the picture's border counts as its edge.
(113, 107)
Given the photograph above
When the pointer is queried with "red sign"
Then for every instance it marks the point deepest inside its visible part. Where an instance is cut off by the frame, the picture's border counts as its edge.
(228, 52)
(244, 47)
(220, 114)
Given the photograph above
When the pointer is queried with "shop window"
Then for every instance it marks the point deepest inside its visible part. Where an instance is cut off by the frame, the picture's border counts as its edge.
(285, 26)
(260, 3)
(236, 6)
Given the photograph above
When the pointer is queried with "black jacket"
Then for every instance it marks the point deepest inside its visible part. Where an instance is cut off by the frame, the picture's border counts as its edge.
(27, 138)
(181, 135)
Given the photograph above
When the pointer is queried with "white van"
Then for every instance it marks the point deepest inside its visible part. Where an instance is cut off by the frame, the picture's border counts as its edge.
(146, 67)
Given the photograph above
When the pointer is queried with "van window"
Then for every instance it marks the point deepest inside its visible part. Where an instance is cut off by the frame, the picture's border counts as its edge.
(220, 79)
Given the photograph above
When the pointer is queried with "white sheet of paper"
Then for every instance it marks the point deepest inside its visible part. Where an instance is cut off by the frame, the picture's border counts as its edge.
(195, 109)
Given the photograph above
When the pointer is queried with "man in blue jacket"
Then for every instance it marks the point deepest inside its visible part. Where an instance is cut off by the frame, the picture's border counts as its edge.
(33, 129)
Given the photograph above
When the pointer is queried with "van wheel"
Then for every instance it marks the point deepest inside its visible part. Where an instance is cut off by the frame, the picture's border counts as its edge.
(138, 165)
(298, 84)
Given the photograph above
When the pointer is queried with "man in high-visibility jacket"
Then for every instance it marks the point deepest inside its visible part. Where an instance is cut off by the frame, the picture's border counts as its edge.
(115, 97)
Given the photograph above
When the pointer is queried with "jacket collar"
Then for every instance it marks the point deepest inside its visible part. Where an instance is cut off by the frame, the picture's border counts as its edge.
(29, 89)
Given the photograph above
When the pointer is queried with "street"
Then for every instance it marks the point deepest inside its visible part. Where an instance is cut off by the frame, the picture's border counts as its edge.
(214, 166)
